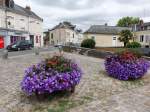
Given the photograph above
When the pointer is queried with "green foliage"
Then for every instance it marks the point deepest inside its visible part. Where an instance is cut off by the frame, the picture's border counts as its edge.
(88, 43)
(59, 63)
(125, 36)
(128, 21)
(134, 45)
(136, 52)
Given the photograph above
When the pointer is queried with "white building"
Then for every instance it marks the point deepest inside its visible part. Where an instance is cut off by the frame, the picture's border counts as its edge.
(64, 33)
(18, 23)
(142, 33)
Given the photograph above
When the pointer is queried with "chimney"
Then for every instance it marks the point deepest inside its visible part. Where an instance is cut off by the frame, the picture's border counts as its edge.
(2, 2)
(28, 8)
(141, 22)
(141, 25)
(106, 24)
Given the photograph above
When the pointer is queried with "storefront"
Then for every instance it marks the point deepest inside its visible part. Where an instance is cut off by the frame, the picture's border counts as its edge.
(16, 36)
(14, 39)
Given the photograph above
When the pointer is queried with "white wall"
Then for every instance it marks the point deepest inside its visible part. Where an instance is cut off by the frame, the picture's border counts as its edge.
(35, 28)
(62, 36)
(2, 18)
(27, 24)
(145, 34)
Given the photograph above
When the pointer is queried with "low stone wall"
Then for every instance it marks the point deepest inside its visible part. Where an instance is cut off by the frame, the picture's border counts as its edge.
(88, 52)
(97, 53)
(144, 51)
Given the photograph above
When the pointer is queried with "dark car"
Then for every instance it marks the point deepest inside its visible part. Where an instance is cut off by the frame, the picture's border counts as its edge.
(20, 45)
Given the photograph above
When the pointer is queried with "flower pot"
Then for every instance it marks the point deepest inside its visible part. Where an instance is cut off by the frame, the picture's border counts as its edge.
(43, 79)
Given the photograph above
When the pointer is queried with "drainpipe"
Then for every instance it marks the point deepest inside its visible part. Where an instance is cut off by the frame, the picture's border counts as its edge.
(6, 25)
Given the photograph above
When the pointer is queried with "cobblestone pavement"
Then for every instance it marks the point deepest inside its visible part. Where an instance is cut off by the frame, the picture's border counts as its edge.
(96, 93)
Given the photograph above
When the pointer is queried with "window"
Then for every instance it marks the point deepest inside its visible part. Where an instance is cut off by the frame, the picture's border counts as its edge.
(21, 19)
(147, 37)
(10, 22)
(52, 36)
(32, 21)
(93, 37)
(37, 39)
(114, 38)
(148, 28)
(22, 28)
(142, 38)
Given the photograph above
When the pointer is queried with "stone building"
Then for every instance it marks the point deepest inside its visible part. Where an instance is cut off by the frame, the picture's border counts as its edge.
(142, 33)
(18, 23)
(64, 33)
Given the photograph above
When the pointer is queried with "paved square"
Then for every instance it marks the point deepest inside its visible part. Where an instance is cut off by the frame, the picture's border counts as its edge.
(96, 93)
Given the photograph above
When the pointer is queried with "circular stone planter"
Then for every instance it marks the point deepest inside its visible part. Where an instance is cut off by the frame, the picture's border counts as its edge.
(126, 69)
(40, 79)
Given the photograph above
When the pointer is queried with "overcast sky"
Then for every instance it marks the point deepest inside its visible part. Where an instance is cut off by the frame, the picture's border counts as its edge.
(84, 13)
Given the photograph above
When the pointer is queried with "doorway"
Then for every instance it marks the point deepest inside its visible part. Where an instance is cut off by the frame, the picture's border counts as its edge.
(32, 39)
(114, 41)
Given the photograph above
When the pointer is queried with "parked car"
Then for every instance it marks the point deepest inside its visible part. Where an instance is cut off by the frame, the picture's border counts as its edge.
(20, 45)
(57, 45)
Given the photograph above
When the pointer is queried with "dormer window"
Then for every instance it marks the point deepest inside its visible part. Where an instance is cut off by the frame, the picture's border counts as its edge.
(21, 19)
(9, 3)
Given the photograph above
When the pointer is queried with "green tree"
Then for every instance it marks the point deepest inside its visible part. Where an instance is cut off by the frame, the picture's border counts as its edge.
(125, 36)
(88, 43)
(128, 21)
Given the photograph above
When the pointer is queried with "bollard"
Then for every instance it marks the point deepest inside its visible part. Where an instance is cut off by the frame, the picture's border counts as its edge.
(5, 54)
(60, 49)
(37, 52)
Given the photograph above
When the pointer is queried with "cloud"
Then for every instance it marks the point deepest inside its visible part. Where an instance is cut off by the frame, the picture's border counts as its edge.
(84, 13)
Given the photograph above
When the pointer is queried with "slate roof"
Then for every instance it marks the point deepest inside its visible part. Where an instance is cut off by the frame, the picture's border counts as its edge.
(102, 29)
(146, 24)
(141, 27)
(23, 11)
(66, 25)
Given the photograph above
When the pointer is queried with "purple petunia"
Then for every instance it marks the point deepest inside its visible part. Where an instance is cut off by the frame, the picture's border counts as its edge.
(125, 69)
(40, 80)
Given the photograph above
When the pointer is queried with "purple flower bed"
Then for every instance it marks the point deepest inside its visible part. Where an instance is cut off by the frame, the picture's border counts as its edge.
(52, 75)
(126, 66)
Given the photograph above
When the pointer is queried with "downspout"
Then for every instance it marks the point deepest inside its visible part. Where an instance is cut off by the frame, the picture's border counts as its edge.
(6, 25)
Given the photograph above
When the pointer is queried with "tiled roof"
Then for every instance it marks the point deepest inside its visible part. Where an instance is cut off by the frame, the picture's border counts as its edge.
(102, 29)
(23, 11)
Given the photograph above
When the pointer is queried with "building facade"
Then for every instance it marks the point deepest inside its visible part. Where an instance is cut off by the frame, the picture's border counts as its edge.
(105, 36)
(65, 33)
(142, 33)
(18, 23)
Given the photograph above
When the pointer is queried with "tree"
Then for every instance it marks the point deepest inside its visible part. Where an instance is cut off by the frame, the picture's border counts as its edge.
(128, 21)
(88, 43)
(125, 36)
